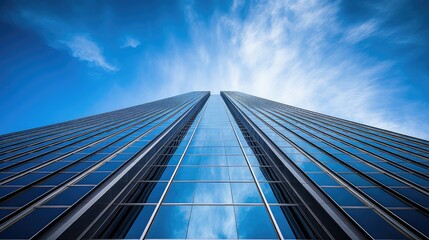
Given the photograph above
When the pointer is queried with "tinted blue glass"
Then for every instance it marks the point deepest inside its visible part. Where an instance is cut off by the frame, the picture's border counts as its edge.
(170, 222)
(138, 226)
(109, 166)
(26, 179)
(25, 196)
(5, 212)
(202, 173)
(149, 192)
(233, 151)
(212, 222)
(180, 192)
(69, 196)
(253, 222)
(322, 179)
(53, 166)
(245, 193)
(308, 167)
(275, 193)
(388, 181)
(206, 150)
(57, 179)
(283, 215)
(415, 195)
(376, 226)
(93, 178)
(6, 190)
(356, 179)
(208, 160)
(265, 174)
(78, 167)
(383, 197)
(415, 218)
(213, 193)
(31, 224)
(240, 174)
(236, 160)
(343, 197)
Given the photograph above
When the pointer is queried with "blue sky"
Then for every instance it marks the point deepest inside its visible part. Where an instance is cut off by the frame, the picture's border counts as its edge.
(366, 61)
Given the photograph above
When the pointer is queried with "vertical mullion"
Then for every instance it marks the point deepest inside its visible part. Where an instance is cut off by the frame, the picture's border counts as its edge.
(158, 205)
(273, 220)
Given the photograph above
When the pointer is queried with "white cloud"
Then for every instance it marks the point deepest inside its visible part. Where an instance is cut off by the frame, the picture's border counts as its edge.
(361, 32)
(131, 42)
(62, 36)
(287, 52)
(86, 50)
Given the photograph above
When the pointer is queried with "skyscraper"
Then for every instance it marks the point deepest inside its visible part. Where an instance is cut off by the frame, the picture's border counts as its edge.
(201, 166)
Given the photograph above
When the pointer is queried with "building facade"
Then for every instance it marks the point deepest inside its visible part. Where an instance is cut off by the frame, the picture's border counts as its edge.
(201, 166)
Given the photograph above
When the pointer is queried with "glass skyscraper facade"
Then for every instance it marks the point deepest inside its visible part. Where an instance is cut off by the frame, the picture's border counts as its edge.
(201, 166)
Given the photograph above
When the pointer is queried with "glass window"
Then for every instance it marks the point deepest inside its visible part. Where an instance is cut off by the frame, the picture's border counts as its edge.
(109, 166)
(25, 197)
(208, 160)
(414, 195)
(264, 174)
(213, 193)
(291, 223)
(139, 223)
(170, 222)
(245, 193)
(147, 192)
(212, 222)
(275, 193)
(308, 167)
(202, 173)
(236, 160)
(29, 225)
(240, 174)
(253, 222)
(6, 190)
(376, 226)
(356, 179)
(57, 179)
(93, 178)
(383, 197)
(415, 218)
(69, 196)
(343, 197)
(180, 192)
(27, 179)
(322, 179)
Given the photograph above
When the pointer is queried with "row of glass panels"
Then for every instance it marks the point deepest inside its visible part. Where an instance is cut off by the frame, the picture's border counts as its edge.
(61, 183)
(213, 193)
(320, 167)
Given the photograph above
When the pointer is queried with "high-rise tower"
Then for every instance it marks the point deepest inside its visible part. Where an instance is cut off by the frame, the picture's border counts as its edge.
(201, 166)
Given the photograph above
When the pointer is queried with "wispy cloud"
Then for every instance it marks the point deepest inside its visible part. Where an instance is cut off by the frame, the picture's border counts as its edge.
(87, 50)
(360, 32)
(131, 42)
(290, 52)
(60, 35)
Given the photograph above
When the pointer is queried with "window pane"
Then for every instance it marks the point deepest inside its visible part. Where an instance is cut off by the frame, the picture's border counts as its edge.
(240, 174)
(180, 193)
(213, 193)
(213, 222)
(202, 173)
(253, 222)
(31, 224)
(245, 193)
(376, 226)
(291, 223)
(69, 196)
(170, 222)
